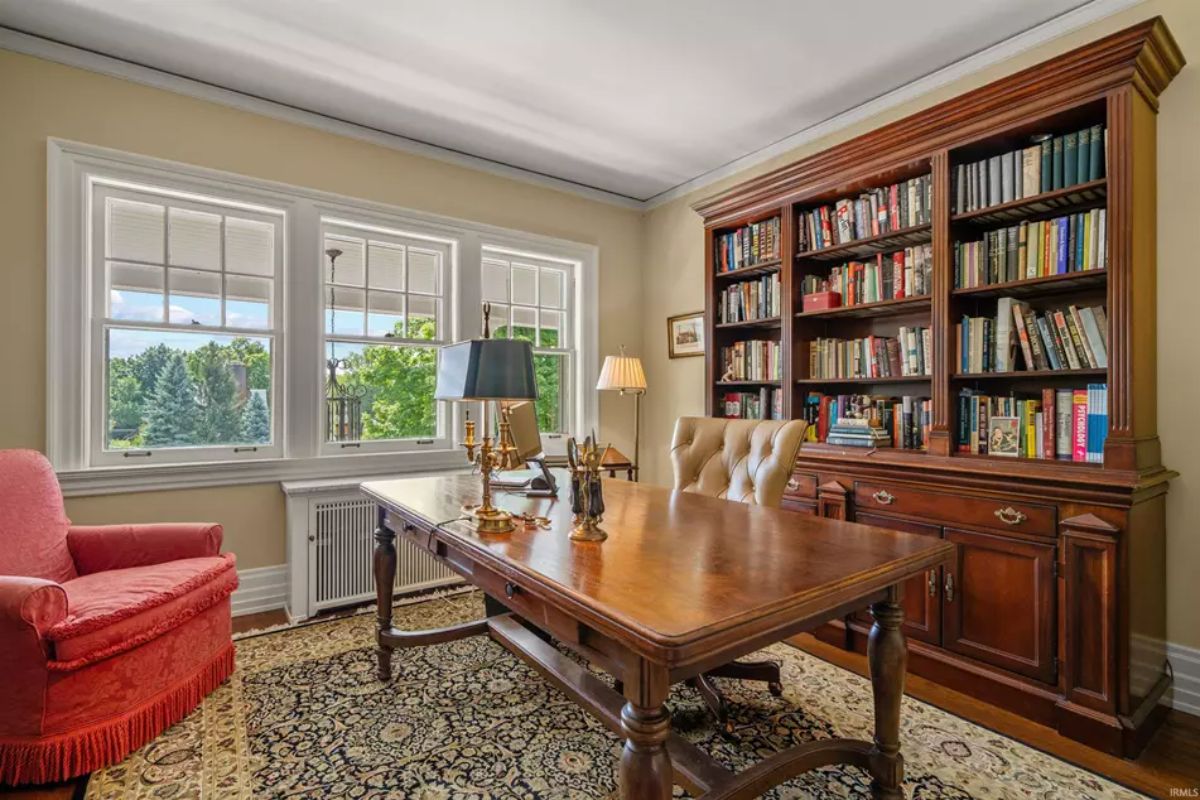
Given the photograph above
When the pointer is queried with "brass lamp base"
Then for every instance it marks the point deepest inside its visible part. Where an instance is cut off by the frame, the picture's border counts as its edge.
(490, 520)
(587, 531)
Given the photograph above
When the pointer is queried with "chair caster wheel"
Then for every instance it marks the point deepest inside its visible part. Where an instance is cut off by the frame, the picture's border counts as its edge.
(775, 688)
(728, 733)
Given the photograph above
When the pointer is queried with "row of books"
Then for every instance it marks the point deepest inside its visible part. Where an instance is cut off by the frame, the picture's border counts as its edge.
(747, 246)
(910, 353)
(902, 422)
(1063, 424)
(760, 298)
(1055, 339)
(766, 403)
(1051, 163)
(889, 276)
(882, 210)
(751, 360)
(1071, 243)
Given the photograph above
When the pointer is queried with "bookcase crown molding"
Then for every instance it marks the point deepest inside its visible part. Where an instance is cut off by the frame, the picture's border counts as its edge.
(1145, 55)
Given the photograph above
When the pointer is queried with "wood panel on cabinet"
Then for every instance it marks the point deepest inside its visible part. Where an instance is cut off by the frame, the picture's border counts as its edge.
(999, 603)
(922, 595)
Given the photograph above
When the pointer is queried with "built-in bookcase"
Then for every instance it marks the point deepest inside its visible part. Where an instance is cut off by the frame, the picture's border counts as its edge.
(942, 157)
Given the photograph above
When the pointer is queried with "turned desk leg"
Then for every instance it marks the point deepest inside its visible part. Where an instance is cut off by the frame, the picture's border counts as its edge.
(646, 772)
(385, 581)
(887, 655)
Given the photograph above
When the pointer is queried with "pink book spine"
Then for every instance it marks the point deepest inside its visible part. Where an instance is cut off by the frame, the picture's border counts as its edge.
(1079, 410)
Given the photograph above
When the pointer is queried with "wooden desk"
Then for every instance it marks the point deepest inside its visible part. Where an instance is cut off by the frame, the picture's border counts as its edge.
(683, 584)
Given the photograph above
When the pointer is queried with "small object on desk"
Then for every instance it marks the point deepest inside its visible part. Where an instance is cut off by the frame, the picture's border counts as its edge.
(587, 495)
(614, 460)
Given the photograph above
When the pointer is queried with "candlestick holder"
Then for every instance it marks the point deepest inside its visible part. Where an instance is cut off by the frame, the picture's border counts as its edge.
(487, 517)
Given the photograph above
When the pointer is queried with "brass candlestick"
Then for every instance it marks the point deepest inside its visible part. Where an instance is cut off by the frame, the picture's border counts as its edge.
(488, 518)
(587, 498)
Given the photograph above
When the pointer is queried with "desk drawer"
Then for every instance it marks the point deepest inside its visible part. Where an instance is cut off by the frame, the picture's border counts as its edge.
(1001, 514)
(514, 596)
(801, 484)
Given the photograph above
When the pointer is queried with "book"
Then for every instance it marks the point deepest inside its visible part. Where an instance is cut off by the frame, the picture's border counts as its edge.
(1056, 182)
(1048, 424)
(1070, 160)
(1096, 152)
(1004, 436)
(1083, 154)
(1047, 176)
(1031, 171)
(1063, 399)
(1079, 422)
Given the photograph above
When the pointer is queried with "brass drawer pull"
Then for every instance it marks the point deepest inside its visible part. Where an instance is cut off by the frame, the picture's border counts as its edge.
(932, 582)
(949, 587)
(793, 485)
(884, 497)
(1010, 516)
(510, 589)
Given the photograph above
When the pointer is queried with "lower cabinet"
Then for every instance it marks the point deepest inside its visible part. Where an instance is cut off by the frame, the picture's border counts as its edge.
(922, 594)
(999, 598)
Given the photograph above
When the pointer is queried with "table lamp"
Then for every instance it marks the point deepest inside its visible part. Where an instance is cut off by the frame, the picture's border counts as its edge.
(487, 370)
(624, 374)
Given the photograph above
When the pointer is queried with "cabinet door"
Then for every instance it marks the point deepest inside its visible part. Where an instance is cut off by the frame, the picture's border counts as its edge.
(922, 594)
(999, 598)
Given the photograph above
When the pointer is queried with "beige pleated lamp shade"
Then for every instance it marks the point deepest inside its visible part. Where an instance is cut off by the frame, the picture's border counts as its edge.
(622, 372)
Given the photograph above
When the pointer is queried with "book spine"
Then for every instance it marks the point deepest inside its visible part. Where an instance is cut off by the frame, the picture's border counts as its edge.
(1057, 182)
(1063, 411)
(1096, 154)
(1048, 423)
(1079, 417)
(1046, 179)
(1070, 160)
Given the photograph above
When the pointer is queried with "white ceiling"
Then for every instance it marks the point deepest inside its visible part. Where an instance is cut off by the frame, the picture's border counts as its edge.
(629, 96)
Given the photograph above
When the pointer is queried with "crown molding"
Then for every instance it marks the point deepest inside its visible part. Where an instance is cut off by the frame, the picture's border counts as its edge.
(71, 56)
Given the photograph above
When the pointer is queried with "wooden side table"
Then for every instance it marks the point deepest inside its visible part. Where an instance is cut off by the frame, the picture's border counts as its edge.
(614, 460)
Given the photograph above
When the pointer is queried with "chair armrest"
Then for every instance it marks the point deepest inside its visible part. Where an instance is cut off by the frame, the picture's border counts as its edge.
(97, 548)
(29, 606)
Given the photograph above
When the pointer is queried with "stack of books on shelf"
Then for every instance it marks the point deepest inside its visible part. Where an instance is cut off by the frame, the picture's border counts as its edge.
(889, 276)
(1054, 339)
(906, 420)
(1063, 424)
(747, 246)
(858, 433)
(766, 403)
(910, 353)
(750, 300)
(751, 360)
(883, 210)
(1071, 243)
(1049, 164)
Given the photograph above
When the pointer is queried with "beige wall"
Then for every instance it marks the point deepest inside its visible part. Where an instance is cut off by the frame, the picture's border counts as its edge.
(43, 99)
(673, 283)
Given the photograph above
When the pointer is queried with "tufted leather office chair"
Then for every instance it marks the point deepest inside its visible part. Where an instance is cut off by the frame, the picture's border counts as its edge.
(747, 461)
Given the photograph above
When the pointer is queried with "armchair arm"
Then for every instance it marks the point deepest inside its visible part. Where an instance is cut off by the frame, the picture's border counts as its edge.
(29, 607)
(96, 548)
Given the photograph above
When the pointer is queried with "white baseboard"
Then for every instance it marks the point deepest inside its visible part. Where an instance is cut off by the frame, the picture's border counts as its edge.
(1185, 691)
(261, 589)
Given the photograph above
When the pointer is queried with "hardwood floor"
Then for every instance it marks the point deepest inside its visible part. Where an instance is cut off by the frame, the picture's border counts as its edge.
(1170, 761)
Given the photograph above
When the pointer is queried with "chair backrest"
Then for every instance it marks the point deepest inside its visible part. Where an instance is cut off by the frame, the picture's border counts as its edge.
(745, 460)
(33, 524)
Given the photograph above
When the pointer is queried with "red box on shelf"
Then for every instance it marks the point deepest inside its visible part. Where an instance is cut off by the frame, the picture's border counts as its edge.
(820, 301)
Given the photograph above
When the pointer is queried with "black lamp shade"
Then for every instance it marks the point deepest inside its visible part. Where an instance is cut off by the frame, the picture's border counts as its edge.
(486, 369)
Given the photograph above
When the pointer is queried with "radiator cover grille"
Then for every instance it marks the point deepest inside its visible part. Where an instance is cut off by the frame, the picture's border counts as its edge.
(342, 545)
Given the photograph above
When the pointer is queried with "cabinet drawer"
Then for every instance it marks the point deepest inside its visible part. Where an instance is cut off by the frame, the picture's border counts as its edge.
(799, 506)
(1001, 514)
(801, 484)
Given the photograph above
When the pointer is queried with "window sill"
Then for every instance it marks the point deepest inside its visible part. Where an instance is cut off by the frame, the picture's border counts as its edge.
(159, 477)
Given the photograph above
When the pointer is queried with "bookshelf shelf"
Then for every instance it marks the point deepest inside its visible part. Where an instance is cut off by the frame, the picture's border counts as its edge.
(761, 268)
(862, 381)
(1072, 198)
(765, 323)
(1031, 374)
(1026, 460)
(884, 242)
(883, 308)
(1029, 287)
(731, 384)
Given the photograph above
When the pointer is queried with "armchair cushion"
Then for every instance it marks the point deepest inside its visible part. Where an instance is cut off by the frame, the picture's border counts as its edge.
(97, 548)
(33, 525)
(116, 610)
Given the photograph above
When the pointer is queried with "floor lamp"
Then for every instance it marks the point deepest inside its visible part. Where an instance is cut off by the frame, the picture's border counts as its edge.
(624, 374)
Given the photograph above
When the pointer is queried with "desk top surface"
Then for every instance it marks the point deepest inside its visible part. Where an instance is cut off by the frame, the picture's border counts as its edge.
(676, 567)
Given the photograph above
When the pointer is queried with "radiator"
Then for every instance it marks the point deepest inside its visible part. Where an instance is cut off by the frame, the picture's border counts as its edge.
(341, 547)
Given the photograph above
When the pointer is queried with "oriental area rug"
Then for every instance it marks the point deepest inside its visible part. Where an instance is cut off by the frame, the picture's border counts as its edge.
(304, 717)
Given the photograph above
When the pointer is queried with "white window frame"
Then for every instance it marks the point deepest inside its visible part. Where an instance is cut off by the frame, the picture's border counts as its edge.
(299, 384)
(99, 191)
(447, 329)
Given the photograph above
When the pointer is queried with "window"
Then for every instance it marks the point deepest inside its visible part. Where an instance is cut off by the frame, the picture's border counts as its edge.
(184, 326)
(385, 315)
(529, 298)
(198, 322)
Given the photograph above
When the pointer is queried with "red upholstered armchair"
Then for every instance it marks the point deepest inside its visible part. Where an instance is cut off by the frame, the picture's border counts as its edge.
(108, 634)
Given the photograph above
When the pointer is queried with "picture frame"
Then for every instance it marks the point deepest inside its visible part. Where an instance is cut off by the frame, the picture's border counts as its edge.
(685, 335)
(1004, 436)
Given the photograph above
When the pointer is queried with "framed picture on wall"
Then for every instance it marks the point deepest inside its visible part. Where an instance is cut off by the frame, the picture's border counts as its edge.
(685, 335)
